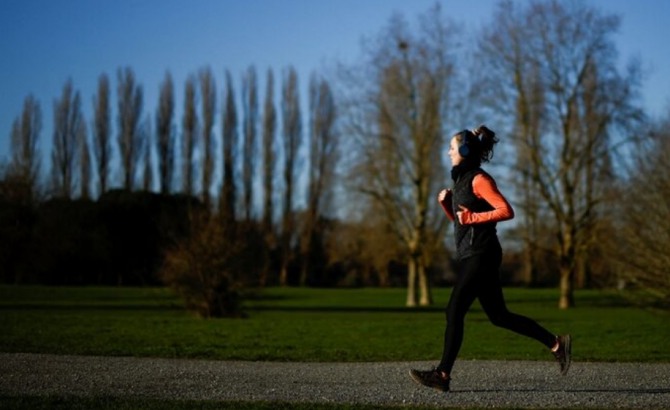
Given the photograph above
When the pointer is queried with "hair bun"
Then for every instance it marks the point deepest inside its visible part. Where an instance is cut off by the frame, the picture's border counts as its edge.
(480, 130)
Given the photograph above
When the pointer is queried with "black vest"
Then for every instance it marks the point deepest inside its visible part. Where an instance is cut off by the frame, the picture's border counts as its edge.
(471, 239)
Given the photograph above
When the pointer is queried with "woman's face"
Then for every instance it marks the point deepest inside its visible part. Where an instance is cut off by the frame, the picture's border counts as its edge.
(454, 156)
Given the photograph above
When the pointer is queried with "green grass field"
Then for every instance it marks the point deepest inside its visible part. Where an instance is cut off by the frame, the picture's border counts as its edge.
(295, 324)
(288, 324)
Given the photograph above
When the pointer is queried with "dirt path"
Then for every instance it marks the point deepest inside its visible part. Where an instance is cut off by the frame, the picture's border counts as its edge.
(475, 383)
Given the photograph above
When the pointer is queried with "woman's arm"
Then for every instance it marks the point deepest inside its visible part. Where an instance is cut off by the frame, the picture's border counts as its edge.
(484, 187)
(444, 198)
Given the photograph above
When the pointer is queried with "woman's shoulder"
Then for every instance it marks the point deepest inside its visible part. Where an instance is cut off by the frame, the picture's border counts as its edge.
(483, 181)
(482, 175)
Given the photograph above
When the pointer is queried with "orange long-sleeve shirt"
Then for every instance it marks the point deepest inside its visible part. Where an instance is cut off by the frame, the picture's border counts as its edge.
(484, 187)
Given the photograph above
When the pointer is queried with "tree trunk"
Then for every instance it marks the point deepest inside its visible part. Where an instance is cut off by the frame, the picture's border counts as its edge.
(529, 271)
(583, 272)
(426, 298)
(411, 284)
(566, 299)
(567, 269)
(283, 275)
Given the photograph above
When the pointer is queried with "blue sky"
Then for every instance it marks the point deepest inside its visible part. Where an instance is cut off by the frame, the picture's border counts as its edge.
(45, 42)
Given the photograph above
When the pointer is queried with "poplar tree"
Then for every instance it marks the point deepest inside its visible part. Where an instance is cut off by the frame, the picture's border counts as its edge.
(268, 170)
(129, 116)
(84, 161)
(269, 152)
(65, 148)
(165, 139)
(229, 138)
(292, 139)
(25, 154)
(148, 173)
(102, 147)
(189, 124)
(323, 143)
(208, 92)
(249, 147)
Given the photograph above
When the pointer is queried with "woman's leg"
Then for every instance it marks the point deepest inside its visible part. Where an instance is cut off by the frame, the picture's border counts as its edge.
(463, 294)
(493, 303)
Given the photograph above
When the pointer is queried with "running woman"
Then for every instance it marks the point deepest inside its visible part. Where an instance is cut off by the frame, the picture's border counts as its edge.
(475, 206)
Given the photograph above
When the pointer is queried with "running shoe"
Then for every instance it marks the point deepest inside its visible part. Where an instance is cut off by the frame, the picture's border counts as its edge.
(563, 353)
(431, 378)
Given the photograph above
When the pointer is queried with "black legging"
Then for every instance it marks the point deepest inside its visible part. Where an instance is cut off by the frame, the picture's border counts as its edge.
(479, 279)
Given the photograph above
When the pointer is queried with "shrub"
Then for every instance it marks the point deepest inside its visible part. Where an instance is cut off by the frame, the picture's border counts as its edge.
(210, 269)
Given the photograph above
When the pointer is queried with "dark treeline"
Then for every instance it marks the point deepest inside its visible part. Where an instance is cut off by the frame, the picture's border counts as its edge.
(124, 237)
(241, 173)
(120, 239)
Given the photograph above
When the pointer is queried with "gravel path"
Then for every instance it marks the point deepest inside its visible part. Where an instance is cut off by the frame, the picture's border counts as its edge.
(475, 383)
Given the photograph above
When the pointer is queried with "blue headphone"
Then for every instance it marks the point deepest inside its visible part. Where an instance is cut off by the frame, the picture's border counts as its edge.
(464, 149)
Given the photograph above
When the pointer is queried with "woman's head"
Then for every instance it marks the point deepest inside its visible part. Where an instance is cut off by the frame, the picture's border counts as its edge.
(472, 147)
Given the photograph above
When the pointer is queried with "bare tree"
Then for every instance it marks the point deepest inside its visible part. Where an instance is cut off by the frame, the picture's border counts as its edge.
(189, 129)
(129, 117)
(229, 137)
(249, 147)
(269, 164)
(64, 155)
(642, 227)
(84, 161)
(102, 133)
(25, 156)
(208, 91)
(165, 134)
(322, 163)
(292, 139)
(553, 66)
(395, 111)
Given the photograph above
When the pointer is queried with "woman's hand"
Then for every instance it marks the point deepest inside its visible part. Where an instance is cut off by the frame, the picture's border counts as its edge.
(444, 198)
(463, 215)
(443, 195)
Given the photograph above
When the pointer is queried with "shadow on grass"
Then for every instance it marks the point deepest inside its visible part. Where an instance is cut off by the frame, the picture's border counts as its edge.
(91, 307)
(346, 309)
(604, 300)
(140, 307)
